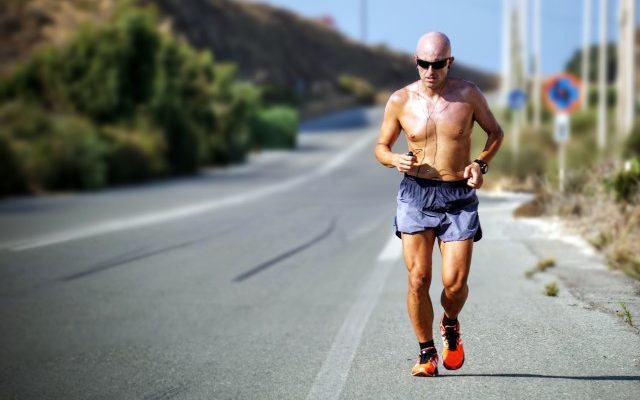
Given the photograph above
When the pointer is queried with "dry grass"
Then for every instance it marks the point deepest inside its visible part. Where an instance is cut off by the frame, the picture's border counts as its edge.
(625, 314)
(541, 266)
(545, 263)
(551, 289)
(590, 210)
(610, 226)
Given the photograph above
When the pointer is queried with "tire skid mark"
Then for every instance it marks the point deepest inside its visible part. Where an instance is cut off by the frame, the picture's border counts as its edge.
(166, 393)
(263, 266)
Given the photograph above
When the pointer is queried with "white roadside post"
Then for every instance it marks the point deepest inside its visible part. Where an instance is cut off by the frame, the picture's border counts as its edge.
(561, 132)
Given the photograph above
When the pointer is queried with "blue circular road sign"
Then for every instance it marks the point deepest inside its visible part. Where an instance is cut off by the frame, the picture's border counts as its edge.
(517, 99)
(563, 93)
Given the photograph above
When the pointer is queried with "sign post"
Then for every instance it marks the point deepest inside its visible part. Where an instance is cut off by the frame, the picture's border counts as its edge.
(561, 136)
(517, 100)
(563, 95)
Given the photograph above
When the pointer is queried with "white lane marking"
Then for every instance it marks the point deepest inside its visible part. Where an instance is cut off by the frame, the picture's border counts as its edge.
(334, 371)
(186, 211)
(392, 250)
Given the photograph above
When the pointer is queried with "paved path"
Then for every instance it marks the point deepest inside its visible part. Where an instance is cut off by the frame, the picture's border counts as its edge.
(279, 279)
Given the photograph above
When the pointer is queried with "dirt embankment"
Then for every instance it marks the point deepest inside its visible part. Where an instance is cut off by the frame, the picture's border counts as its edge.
(269, 45)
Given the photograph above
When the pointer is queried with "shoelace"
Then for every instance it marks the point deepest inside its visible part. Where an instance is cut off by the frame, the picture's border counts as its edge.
(427, 354)
(451, 335)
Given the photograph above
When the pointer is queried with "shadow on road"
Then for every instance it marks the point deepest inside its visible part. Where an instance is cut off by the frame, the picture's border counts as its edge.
(580, 378)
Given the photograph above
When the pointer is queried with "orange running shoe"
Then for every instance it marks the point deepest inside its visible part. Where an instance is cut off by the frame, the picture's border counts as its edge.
(427, 364)
(452, 350)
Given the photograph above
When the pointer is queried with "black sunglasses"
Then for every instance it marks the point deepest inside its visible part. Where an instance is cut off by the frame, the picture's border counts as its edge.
(439, 64)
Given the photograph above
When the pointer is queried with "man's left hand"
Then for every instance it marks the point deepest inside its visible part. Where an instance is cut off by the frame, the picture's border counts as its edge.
(473, 175)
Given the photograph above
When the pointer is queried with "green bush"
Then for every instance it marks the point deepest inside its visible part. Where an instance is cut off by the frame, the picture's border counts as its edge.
(60, 151)
(632, 145)
(584, 123)
(532, 159)
(276, 127)
(13, 179)
(234, 107)
(594, 94)
(134, 155)
(172, 107)
(71, 156)
(105, 80)
(625, 183)
(360, 88)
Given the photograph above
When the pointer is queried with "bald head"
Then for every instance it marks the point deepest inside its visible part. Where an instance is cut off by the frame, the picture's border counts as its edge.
(433, 46)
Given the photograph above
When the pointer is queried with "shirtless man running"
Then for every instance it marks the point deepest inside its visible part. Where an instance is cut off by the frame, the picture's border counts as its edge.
(437, 196)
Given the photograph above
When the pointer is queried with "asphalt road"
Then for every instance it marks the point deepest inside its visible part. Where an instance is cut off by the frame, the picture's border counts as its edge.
(279, 279)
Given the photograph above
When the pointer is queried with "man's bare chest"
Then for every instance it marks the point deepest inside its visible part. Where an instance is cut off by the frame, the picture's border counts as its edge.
(449, 119)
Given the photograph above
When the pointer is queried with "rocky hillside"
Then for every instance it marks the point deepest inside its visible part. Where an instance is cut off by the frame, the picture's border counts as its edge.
(269, 45)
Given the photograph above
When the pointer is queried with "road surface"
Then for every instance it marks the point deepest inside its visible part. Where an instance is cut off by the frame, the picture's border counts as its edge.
(279, 279)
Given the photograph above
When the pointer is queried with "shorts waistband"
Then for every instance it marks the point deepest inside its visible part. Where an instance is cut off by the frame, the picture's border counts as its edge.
(437, 183)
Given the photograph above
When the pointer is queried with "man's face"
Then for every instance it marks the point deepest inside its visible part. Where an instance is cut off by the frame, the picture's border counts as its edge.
(431, 76)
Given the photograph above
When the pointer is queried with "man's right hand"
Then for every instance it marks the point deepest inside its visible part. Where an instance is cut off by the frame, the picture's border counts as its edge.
(404, 162)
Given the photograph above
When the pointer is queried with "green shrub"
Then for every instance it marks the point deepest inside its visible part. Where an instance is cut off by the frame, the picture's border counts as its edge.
(594, 95)
(625, 183)
(551, 289)
(13, 179)
(73, 155)
(632, 145)
(532, 159)
(53, 151)
(92, 91)
(545, 263)
(583, 123)
(275, 127)
(171, 108)
(134, 155)
(360, 88)
(235, 105)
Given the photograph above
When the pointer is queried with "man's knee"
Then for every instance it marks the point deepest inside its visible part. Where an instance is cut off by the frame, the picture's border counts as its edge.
(455, 288)
(419, 280)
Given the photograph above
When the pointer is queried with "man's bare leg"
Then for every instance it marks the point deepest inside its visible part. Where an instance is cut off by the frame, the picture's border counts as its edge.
(456, 262)
(418, 250)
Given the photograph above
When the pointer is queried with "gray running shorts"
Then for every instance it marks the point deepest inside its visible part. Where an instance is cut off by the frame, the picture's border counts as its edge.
(451, 208)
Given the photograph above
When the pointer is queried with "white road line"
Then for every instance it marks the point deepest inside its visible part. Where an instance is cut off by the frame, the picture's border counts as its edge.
(334, 371)
(186, 211)
(392, 250)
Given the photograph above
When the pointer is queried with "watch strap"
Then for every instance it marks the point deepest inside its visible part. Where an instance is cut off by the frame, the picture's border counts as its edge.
(484, 167)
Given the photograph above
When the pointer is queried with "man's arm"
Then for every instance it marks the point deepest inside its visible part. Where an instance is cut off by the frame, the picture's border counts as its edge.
(485, 118)
(389, 132)
(487, 121)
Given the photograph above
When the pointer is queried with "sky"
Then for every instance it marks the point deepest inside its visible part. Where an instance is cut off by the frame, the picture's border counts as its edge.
(474, 26)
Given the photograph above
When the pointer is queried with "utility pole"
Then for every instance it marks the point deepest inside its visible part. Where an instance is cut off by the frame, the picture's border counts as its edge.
(602, 77)
(363, 21)
(537, 74)
(524, 51)
(626, 67)
(586, 46)
(506, 52)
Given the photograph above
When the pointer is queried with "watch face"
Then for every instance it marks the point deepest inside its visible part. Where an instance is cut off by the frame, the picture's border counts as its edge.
(483, 166)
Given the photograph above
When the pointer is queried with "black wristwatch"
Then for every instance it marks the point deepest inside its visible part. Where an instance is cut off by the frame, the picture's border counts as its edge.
(484, 167)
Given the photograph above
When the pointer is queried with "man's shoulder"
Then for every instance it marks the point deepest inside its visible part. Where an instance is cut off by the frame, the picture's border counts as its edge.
(463, 85)
(403, 95)
(467, 90)
(400, 96)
